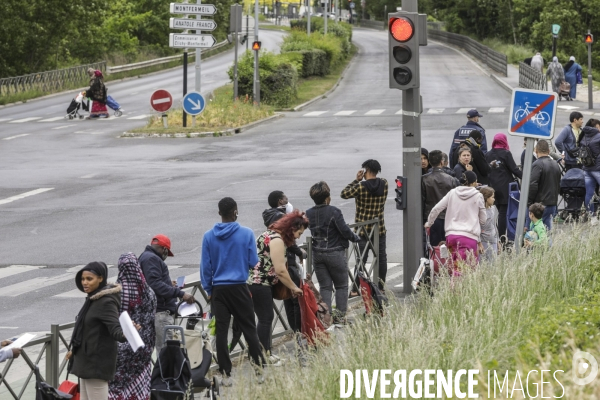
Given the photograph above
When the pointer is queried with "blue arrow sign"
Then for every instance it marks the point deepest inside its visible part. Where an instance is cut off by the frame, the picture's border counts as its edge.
(193, 103)
(532, 113)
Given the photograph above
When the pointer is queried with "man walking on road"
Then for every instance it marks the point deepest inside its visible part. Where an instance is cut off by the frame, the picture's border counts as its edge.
(152, 261)
(566, 141)
(463, 132)
(370, 196)
(545, 183)
(228, 255)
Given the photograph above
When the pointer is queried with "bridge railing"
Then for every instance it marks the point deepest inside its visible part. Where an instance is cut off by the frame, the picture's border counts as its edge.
(531, 78)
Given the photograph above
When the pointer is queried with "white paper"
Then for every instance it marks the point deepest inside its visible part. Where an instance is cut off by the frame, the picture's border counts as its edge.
(132, 335)
(186, 309)
(21, 341)
(303, 272)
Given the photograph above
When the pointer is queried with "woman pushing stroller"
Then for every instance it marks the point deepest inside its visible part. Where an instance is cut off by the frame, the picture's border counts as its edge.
(97, 94)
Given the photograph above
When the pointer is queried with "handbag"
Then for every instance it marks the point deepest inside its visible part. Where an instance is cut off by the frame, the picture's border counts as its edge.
(579, 77)
(44, 391)
(70, 387)
(281, 292)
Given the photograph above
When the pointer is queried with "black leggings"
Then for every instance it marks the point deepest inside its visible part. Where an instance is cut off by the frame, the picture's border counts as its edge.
(262, 297)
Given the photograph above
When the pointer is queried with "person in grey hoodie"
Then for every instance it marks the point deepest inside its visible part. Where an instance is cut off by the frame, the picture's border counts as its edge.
(465, 214)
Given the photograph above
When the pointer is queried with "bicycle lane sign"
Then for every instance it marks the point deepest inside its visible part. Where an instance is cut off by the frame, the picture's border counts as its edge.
(532, 113)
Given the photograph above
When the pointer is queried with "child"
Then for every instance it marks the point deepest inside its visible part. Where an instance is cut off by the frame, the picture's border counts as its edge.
(489, 231)
(537, 230)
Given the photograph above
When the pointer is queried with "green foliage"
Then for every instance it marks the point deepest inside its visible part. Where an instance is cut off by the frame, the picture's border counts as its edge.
(313, 62)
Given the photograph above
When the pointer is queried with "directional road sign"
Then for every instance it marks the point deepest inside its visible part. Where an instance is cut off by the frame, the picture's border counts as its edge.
(196, 9)
(182, 40)
(532, 113)
(193, 103)
(161, 100)
(197, 24)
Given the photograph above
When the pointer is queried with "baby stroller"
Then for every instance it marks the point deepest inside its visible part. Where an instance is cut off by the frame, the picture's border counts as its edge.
(76, 104)
(112, 104)
(437, 259)
(564, 90)
(572, 190)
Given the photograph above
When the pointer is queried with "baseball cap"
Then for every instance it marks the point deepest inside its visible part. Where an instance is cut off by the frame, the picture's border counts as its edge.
(163, 241)
(473, 113)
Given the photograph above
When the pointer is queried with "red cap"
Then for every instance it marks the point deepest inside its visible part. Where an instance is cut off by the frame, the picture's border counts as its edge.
(163, 241)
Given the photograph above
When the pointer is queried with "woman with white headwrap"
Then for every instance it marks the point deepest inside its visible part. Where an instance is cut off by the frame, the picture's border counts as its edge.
(556, 73)
(571, 71)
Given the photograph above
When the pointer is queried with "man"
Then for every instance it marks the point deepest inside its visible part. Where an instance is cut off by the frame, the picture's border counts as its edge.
(445, 165)
(425, 166)
(8, 354)
(566, 141)
(537, 62)
(463, 133)
(278, 202)
(545, 183)
(370, 196)
(152, 262)
(228, 255)
(480, 166)
(434, 186)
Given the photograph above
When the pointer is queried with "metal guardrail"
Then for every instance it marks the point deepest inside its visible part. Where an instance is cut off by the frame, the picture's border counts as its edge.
(365, 23)
(493, 59)
(49, 81)
(531, 78)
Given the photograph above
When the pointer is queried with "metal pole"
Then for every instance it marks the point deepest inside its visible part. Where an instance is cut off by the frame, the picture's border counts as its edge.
(247, 32)
(256, 74)
(590, 79)
(308, 20)
(326, 18)
(524, 197)
(235, 66)
(52, 357)
(554, 46)
(385, 21)
(412, 216)
(185, 70)
(198, 66)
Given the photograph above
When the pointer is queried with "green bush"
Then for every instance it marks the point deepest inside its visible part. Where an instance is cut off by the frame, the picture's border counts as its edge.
(317, 25)
(313, 62)
(336, 48)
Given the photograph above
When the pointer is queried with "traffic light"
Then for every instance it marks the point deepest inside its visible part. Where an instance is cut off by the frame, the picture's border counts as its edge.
(588, 38)
(403, 39)
(256, 45)
(400, 193)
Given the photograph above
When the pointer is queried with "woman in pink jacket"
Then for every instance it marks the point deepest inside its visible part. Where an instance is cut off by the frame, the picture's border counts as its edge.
(465, 213)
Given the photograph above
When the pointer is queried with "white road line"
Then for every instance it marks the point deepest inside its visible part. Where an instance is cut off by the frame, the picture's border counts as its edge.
(52, 119)
(463, 110)
(399, 286)
(9, 327)
(16, 136)
(345, 112)
(567, 107)
(18, 269)
(139, 117)
(62, 127)
(374, 112)
(88, 176)
(435, 110)
(23, 195)
(18, 121)
(394, 276)
(5, 119)
(496, 110)
(34, 284)
(314, 113)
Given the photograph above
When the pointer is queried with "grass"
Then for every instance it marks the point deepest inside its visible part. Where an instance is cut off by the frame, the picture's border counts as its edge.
(514, 53)
(480, 321)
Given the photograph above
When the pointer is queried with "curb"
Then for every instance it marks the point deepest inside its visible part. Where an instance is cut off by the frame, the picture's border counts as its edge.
(189, 135)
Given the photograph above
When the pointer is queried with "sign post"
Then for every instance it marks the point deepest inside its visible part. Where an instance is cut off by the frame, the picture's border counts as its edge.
(532, 115)
(235, 27)
(555, 30)
(161, 101)
(256, 91)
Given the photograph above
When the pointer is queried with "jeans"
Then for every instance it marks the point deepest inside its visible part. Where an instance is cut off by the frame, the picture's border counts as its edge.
(382, 260)
(331, 269)
(592, 178)
(93, 389)
(162, 319)
(292, 307)
(234, 300)
(262, 298)
(549, 213)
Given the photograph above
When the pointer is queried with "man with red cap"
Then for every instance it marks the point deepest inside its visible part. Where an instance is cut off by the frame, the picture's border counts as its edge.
(152, 261)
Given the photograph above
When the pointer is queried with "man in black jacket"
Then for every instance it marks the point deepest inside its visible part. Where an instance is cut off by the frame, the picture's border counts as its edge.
(480, 166)
(434, 186)
(545, 183)
(152, 262)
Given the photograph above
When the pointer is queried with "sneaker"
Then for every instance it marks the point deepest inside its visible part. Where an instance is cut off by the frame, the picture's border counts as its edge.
(274, 361)
(226, 380)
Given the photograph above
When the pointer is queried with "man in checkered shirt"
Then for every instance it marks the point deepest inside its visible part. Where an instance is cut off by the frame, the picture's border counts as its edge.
(370, 195)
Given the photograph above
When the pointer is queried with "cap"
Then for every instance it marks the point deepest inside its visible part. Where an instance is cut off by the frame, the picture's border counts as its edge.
(473, 113)
(163, 241)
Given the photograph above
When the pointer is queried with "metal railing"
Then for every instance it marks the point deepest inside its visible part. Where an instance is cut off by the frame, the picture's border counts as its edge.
(366, 23)
(493, 59)
(531, 78)
(49, 81)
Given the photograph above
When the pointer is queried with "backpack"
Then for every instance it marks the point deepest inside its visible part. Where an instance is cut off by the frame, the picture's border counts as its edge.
(586, 156)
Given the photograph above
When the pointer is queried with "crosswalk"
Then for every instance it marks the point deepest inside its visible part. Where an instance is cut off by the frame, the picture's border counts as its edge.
(389, 112)
(131, 116)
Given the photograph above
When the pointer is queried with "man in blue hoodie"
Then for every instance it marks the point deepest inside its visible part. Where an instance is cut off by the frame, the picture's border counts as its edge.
(228, 254)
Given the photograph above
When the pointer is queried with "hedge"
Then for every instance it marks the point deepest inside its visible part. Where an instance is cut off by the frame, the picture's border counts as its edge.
(317, 25)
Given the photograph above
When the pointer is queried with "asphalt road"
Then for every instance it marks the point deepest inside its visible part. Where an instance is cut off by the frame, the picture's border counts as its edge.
(111, 195)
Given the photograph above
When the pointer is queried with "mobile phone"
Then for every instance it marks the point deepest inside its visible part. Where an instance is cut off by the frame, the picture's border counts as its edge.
(180, 281)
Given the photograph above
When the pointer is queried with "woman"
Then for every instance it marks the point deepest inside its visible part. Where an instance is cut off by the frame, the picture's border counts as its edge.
(97, 93)
(571, 70)
(556, 73)
(590, 136)
(330, 236)
(134, 369)
(93, 355)
(465, 213)
(504, 171)
(272, 247)
(464, 162)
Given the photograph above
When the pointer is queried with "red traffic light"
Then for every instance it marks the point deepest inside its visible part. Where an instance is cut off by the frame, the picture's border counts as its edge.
(256, 45)
(398, 183)
(588, 38)
(402, 29)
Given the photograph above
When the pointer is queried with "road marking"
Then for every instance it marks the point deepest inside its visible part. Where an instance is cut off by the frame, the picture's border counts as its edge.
(5, 119)
(88, 176)
(23, 195)
(374, 112)
(52, 119)
(62, 127)
(567, 107)
(496, 110)
(16, 136)
(463, 110)
(9, 327)
(314, 113)
(139, 117)
(399, 286)
(345, 112)
(394, 276)
(18, 121)
(435, 110)
(17, 269)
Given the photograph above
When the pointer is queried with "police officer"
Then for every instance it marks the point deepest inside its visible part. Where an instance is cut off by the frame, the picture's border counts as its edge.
(463, 132)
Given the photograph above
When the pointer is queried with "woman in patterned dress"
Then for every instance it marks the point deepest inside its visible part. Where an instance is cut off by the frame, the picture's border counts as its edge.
(132, 379)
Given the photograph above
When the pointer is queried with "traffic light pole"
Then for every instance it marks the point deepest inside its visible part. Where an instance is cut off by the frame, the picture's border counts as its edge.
(590, 79)
(256, 71)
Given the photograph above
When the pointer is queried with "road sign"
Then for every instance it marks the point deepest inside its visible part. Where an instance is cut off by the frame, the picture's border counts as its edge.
(197, 24)
(193, 103)
(352, 5)
(555, 29)
(183, 40)
(532, 113)
(196, 9)
(161, 100)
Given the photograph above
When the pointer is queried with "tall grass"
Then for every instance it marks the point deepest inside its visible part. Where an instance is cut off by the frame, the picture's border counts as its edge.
(480, 319)
(514, 53)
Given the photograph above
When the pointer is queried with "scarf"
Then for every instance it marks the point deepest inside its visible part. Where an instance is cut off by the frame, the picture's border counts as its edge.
(568, 65)
(500, 142)
(133, 282)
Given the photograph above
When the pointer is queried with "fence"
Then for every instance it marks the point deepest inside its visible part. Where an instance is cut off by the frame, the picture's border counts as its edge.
(365, 23)
(52, 347)
(493, 59)
(49, 81)
(531, 78)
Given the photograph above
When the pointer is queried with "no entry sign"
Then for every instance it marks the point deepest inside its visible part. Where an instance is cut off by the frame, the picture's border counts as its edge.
(161, 100)
(532, 114)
